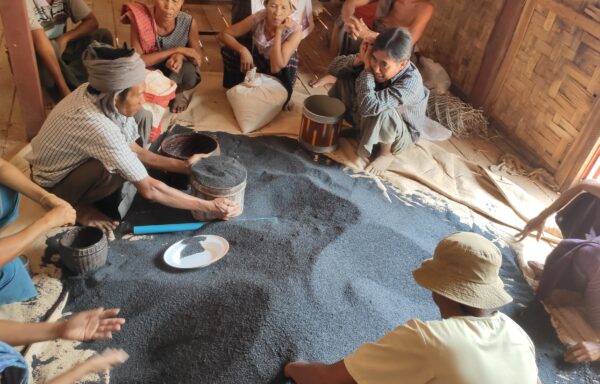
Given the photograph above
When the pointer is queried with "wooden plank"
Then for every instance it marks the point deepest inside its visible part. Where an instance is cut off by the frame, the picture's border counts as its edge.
(496, 50)
(581, 152)
(22, 55)
(511, 53)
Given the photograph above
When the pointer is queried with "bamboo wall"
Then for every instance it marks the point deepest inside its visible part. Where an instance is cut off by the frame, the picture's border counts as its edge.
(457, 36)
(546, 94)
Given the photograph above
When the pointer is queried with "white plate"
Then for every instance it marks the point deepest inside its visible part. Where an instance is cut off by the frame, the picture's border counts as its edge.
(188, 253)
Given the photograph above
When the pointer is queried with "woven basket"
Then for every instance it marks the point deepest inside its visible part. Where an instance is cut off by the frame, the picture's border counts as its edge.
(183, 145)
(83, 249)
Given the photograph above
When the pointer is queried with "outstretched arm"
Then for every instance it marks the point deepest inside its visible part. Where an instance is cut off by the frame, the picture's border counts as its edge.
(537, 223)
(228, 38)
(61, 213)
(102, 362)
(417, 28)
(96, 324)
(45, 51)
(318, 373)
(88, 25)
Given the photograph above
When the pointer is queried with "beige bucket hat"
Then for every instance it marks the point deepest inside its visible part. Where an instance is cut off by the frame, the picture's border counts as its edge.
(464, 268)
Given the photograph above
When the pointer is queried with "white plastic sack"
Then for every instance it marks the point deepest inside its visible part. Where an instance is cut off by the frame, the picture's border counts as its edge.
(303, 13)
(159, 91)
(257, 100)
(435, 77)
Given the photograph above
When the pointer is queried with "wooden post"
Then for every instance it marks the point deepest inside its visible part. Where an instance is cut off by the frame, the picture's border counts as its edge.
(496, 49)
(17, 36)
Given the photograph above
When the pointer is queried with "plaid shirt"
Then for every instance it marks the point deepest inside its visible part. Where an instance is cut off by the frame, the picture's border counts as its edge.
(405, 92)
(75, 131)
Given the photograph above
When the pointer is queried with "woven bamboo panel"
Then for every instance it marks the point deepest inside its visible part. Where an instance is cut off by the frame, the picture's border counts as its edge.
(457, 36)
(553, 80)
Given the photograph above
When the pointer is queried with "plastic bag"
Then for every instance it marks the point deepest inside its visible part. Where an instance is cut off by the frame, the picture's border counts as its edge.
(435, 77)
(257, 100)
(160, 90)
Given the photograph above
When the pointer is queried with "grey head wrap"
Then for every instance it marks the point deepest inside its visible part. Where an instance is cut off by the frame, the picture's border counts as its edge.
(110, 72)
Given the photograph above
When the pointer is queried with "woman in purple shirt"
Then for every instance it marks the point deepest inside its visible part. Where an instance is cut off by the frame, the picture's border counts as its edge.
(575, 263)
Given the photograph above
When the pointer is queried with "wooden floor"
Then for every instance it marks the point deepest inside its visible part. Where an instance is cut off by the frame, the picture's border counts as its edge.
(314, 56)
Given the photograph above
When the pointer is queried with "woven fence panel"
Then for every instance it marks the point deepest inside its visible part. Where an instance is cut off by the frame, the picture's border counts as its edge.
(457, 36)
(553, 80)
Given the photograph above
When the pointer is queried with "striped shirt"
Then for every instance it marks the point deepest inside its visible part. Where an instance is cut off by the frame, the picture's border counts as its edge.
(76, 131)
(405, 92)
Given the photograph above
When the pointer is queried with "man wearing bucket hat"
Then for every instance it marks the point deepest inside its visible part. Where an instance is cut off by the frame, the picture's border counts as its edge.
(470, 345)
(86, 148)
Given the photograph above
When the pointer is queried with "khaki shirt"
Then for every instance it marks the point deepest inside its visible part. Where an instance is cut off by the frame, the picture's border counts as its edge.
(459, 350)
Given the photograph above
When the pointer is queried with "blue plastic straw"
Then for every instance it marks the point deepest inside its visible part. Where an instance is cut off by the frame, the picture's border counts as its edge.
(167, 228)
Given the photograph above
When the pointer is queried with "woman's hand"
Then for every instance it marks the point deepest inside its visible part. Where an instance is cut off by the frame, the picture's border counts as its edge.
(364, 55)
(97, 324)
(191, 54)
(106, 360)
(194, 158)
(59, 216)
(175, 62)
(246, 60)
(288, 23)
(224, 209)
(535, 224)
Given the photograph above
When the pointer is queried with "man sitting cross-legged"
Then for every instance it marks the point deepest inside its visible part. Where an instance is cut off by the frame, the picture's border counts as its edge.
(87, 147)
(384, 97)
(470, 345)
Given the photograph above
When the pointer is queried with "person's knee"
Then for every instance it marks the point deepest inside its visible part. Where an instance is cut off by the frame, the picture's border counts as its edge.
(190, 76)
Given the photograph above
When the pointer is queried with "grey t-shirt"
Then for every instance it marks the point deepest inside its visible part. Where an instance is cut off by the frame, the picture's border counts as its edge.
(53, 17)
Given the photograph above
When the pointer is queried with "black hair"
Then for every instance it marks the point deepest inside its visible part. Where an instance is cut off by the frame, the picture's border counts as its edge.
(396, 42)
(121, 96)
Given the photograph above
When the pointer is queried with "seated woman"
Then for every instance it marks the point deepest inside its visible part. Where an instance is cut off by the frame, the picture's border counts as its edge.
(384, 96)
(167, 39)
(377, 15)
(15, 283)
(275, 39)
(574, 265)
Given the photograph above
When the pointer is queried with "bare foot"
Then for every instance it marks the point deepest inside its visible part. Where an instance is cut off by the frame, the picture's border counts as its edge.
(537, 268)
(324, 80)
(89, 216)
(179, 103)
(289, 106)
(380, 164)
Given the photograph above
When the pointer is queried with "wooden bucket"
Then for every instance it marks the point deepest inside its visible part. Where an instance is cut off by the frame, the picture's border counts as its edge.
(321, 123)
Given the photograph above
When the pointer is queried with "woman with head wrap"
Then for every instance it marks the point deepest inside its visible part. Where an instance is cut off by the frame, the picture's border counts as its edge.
(167, 39)
(275, 40)
(87, 147)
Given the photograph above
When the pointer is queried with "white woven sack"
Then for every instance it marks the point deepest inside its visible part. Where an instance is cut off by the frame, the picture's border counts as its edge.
(256, 101)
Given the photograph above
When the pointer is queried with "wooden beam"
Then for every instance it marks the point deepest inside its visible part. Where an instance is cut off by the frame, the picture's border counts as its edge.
(506, 62)
(496, 50)
(21, 53)
(582, 151)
